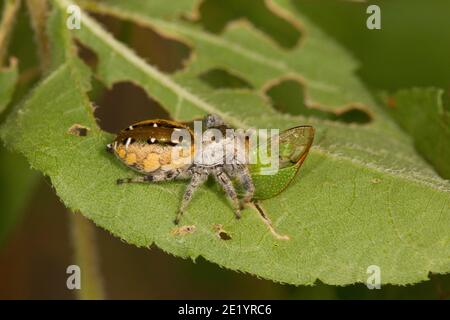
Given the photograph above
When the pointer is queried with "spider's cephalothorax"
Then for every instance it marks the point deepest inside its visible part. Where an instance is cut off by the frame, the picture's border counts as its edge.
(165, 150)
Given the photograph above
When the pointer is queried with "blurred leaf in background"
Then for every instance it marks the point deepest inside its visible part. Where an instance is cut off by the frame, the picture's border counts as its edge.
(16, 183)
(421, 113)
(8, 80)
(16, 178)
(410, 50)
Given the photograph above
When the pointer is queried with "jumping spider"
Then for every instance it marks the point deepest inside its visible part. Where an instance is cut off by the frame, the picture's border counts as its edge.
(148, 147)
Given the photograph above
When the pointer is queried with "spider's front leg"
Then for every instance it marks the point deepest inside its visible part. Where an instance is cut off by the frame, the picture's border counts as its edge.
(198, 178)
(223, 179)
(243, 175)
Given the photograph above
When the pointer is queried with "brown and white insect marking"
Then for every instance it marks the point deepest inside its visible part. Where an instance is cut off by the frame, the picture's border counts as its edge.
(153, 146)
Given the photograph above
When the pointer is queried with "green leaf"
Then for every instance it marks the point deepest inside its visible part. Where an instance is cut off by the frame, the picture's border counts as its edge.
(420, 112)
(402, 54)
(363, 196)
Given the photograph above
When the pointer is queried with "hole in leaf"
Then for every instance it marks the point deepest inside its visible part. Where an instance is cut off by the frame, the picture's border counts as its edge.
(221, 233)
(125, 103)
(353, 115)
(223, 79)
(216, 14)
(88, 56)
(78, 130)
(167, 54)
(224, 236)
(288, 96)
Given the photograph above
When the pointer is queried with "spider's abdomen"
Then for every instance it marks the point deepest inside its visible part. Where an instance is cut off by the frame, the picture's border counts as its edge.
(154, 145)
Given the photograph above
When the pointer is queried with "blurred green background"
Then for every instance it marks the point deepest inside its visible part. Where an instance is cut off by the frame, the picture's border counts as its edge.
(412, 49)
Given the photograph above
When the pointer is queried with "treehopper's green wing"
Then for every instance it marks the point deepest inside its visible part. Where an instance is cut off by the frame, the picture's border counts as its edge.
(294, 145)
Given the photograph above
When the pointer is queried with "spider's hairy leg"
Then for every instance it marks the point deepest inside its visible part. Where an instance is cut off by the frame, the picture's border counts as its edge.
(137, 179)
(157, 177)
(244, 177)
(222, 178)
(198, 178)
